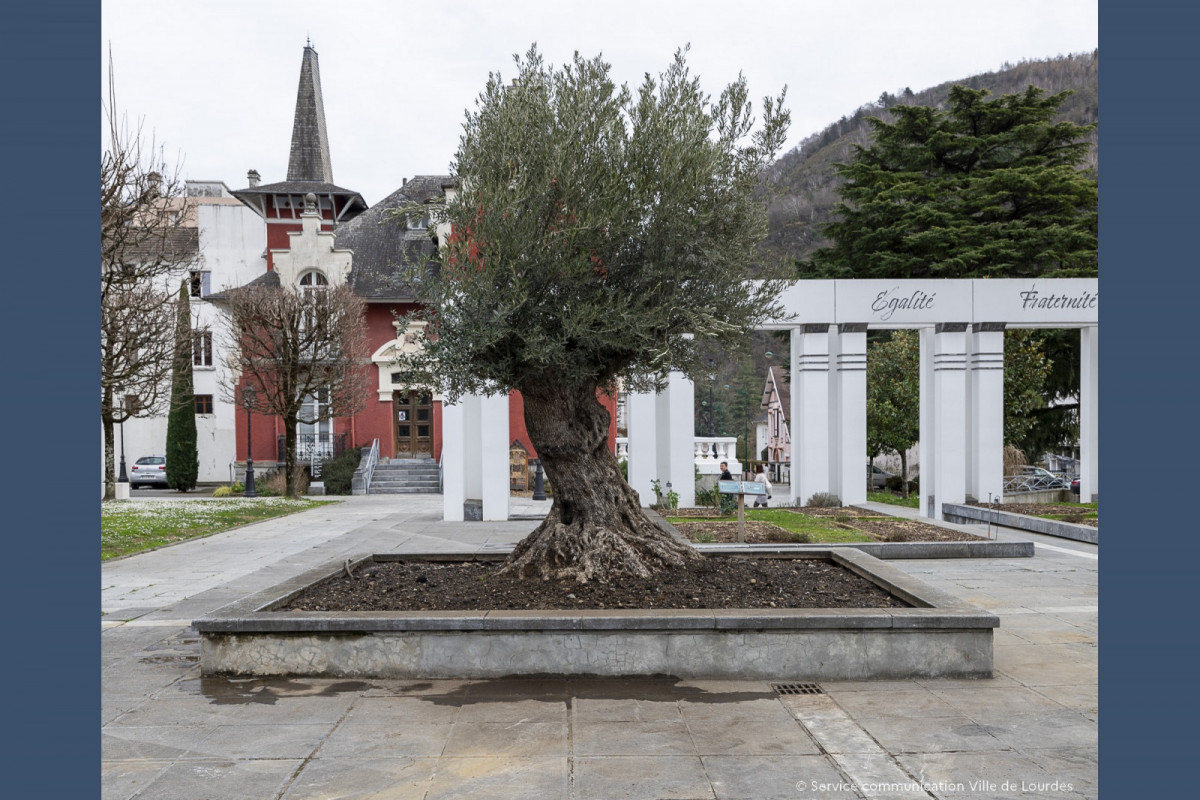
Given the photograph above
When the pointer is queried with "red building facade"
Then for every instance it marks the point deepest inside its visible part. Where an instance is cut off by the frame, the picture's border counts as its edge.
(379, 250)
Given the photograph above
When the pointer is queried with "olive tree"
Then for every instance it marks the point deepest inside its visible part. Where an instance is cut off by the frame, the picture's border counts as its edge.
(598, 234)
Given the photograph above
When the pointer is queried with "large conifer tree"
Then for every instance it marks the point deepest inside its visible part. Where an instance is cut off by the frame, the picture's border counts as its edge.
(986, 188)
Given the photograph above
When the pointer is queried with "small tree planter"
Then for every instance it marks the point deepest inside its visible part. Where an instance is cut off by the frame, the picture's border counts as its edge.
(939, 636)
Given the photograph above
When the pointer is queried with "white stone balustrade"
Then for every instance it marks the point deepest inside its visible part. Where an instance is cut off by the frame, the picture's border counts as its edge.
(703, 448)
(725, 449)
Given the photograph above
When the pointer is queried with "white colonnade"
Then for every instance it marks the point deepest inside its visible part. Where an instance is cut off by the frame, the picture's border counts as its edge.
(961, 324)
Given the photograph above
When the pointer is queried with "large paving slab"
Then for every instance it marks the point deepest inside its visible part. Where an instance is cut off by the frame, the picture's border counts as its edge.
(169, 733)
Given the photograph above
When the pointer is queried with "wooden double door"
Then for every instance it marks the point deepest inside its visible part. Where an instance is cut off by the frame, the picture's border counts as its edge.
(412, 422)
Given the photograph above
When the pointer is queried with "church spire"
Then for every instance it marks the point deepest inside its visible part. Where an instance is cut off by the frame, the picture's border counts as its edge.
(309, 160)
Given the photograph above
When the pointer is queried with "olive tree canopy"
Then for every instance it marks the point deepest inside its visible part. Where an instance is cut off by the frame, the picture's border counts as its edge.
(598, 234)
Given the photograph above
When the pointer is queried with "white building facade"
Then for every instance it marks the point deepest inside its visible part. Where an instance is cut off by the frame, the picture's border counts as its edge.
(232, 243)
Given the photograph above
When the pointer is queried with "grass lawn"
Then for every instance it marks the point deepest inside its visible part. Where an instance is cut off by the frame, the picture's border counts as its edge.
(821, 529)
(128, 527)
(913, 501)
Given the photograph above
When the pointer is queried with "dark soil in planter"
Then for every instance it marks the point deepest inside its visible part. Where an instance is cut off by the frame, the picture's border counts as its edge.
(716, 582)
(879, 528)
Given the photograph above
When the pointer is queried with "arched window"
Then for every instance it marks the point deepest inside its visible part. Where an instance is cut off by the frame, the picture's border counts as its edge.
(313, 288)
(312, 280)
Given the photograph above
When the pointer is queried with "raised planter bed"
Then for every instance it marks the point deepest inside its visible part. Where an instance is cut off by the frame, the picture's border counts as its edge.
(1050, 527)
(968, 547)
(888, 551)
(938, 636)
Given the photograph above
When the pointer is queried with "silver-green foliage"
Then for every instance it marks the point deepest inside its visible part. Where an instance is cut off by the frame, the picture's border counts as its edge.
(593, 226)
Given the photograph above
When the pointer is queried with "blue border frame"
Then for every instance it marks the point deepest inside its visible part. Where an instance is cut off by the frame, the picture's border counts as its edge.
(52, 55)
(1149, 402)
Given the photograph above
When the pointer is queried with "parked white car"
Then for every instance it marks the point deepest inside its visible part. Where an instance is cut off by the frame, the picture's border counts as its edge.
(148, 471)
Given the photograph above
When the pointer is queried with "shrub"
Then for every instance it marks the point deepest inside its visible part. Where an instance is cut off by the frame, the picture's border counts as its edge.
(274, 483)
(668, 501)
(338, 472)
(788, 537)
(727, 503)
(704, 538)
(706, 497)
(222, 491)
(624, 466)
(825, 500)
(896, 484)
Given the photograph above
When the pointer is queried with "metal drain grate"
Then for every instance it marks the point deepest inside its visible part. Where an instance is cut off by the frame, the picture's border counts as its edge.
(796, 688)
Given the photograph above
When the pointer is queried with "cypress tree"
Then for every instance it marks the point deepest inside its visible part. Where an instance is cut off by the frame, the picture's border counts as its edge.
(183, 461)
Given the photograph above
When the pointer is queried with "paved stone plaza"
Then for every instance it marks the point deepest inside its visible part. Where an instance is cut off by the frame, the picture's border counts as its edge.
(1030, 732)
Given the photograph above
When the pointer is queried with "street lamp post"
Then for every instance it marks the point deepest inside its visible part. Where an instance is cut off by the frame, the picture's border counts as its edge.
(248, 402)
(123, 478)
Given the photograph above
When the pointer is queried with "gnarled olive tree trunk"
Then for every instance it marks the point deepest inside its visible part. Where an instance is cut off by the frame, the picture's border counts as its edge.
(595, 530)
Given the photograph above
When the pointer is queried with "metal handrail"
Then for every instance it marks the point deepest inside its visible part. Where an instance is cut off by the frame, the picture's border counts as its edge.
(1033, 483)
(372, 460)
(365, 471)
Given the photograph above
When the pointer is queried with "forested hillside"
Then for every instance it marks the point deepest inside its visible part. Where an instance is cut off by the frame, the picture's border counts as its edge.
(804, 182)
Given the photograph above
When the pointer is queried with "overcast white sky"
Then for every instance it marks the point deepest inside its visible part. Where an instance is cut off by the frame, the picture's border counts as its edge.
(216, 79)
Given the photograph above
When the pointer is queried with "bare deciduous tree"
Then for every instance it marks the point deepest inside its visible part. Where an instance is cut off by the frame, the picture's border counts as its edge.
(143, 243)
(290, 345)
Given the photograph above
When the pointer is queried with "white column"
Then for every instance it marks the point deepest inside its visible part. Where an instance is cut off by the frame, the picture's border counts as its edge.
(493, 456)
(675, 434)
(950, 421)
(985, 474)
(810, 411)
(475, 456)
(473, 484)
(453, 462)
(928, 428)
(643, 448)
(848, 408)
(1089, 397)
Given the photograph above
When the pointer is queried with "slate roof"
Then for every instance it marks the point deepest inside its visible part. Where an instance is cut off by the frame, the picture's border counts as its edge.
(383, 247)
(309, 159)
(178, 245)
(296, 187)
(269, 279)
(254, 196)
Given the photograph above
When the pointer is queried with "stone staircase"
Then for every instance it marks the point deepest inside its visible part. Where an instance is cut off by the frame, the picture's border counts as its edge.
(406, 476)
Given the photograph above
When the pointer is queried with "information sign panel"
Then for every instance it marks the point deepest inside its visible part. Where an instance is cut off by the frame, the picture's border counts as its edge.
(741, 487)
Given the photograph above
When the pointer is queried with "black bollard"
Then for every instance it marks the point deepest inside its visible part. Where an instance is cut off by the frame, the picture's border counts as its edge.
(539, 491)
